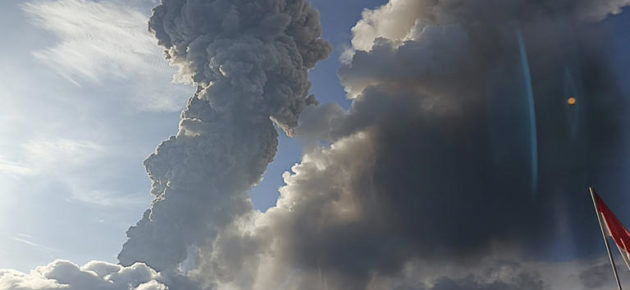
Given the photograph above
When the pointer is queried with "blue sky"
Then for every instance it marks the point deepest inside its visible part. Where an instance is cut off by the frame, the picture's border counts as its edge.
(75, 133)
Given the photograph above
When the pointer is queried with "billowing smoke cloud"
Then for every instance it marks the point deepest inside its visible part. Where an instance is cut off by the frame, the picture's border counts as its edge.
(93, 275)
(249, 61)
(431, 167)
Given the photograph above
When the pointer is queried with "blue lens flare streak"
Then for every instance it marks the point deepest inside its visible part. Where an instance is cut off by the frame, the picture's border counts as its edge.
(532, 111)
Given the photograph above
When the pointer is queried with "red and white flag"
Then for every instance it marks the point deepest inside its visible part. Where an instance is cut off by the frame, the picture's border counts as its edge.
(613, 228)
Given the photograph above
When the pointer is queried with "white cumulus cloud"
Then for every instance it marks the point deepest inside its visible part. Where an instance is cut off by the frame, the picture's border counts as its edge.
(94, 275)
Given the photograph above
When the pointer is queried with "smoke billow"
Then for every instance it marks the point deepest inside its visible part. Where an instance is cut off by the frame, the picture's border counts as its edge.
(430, 168)
(249, 61)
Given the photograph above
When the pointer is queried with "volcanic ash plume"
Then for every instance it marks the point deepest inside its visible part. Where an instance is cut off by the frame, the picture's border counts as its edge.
(249, 60)
(427, 183)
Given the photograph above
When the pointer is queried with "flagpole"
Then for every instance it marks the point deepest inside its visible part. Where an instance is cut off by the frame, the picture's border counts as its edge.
(610, 256)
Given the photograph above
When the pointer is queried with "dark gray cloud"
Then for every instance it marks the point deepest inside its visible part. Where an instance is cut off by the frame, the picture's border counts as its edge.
(432, 162)
(500, 276)
(596, 276)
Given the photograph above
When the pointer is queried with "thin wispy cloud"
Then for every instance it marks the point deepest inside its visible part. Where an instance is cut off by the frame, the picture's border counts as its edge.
(109, 199)
(59, 158)
(68, 152)
(105, 41)
(96, 39)
(13, 168)
(29, 241)
(50, 156)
